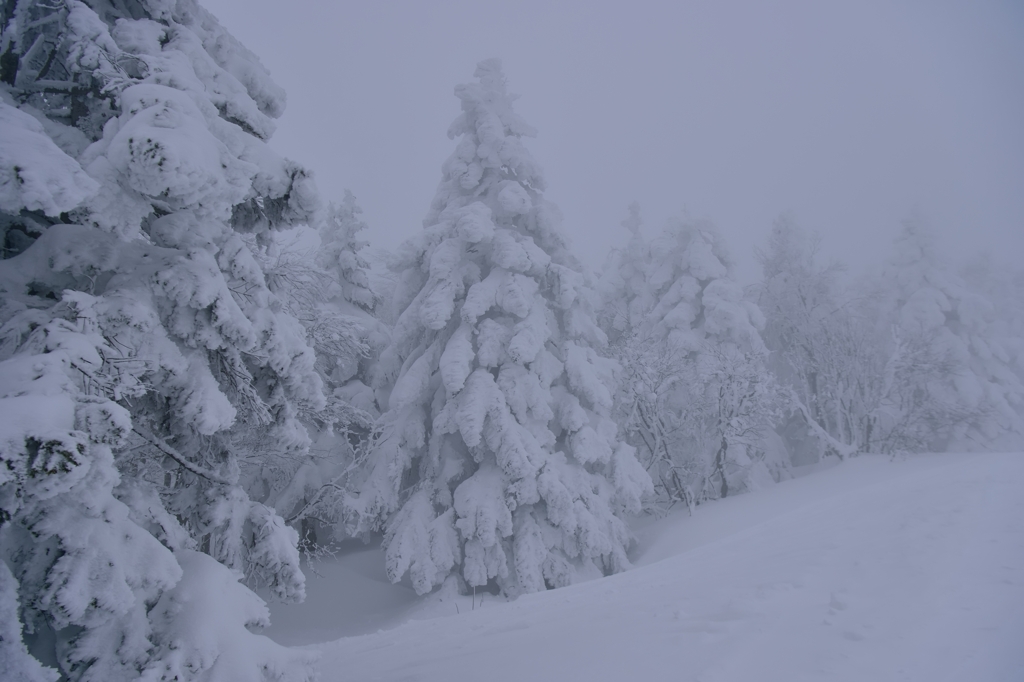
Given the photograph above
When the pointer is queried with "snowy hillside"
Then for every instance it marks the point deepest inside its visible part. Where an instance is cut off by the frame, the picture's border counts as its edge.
(871, 570)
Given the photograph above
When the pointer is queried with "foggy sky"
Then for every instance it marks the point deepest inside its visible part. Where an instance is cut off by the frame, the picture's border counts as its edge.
(850, 116)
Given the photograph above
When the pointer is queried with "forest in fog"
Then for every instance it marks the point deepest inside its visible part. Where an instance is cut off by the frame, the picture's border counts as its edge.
(207, 377)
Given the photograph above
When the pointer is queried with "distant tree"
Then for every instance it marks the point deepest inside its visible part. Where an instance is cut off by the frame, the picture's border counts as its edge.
(979, 387)
(497, 458)
(862, 373)
(691, 353)
(1002, 286)
(341, 252)
(625, 294)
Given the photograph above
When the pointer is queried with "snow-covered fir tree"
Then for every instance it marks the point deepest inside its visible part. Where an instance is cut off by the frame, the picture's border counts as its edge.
(497, 460)
(696, 297)
(341, 252)
(351, 297)
(141, 352)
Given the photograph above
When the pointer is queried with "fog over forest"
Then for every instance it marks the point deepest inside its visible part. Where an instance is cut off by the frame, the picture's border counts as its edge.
(707, 348)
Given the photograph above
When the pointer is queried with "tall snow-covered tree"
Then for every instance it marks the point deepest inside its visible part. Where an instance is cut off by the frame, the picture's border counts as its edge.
(341, 252)
(497, 460)
(141, 350)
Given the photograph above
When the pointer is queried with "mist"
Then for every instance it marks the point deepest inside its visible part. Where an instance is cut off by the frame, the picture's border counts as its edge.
(850, 117)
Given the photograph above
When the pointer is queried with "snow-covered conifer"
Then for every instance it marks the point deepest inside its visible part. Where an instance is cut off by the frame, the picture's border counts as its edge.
(625, 294)
(140, 345)
(497, 459)
(341, 253)
(696, 297)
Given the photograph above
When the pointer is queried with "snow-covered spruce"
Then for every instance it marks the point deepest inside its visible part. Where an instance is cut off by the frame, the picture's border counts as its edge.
(341, 253)
(497, 459)
(141, 351)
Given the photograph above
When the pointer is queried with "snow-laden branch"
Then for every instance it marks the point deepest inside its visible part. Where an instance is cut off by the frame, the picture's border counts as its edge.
(841, 449)
(179, 458)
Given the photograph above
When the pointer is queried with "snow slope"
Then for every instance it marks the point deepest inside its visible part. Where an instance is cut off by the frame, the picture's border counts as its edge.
(871, 570)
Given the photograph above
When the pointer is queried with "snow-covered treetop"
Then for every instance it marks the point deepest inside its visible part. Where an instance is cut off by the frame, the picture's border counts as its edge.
(696, 296)
(490, 162)
(625, 296)
(922, 293)
(341, 253)
(789, 250)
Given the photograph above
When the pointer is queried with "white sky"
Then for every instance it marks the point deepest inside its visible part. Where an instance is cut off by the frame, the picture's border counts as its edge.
(849, 115)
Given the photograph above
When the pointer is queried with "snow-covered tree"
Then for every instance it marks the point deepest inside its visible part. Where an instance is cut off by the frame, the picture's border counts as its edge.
(328, 289)
(1003, 287)
(827, 358)
(860, 378)
(351, 297)
(696, 298)
(625, 294)
(341, 252)
(141, 350)
(928, 303)
(695, 397)
(496, 460)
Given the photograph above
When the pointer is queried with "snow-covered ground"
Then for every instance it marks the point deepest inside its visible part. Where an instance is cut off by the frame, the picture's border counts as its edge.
(870, 570)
